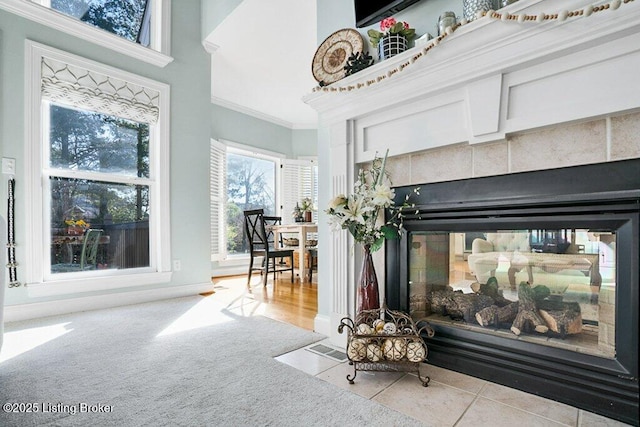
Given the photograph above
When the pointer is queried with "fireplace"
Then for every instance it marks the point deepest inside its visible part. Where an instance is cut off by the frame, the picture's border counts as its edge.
(546, 298)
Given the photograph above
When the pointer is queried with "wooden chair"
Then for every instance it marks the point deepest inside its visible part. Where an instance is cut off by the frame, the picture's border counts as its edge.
(313, 261)
(88, 254)
(260, 246)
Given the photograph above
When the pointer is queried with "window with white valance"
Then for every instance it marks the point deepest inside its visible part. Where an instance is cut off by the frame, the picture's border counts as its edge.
(98, 144)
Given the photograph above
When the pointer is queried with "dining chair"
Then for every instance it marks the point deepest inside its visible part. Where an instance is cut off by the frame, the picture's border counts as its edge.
(88, 254)
(255, 225)
(313, 261)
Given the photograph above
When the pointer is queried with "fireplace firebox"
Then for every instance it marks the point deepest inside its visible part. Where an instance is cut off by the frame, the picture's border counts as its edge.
(529, 280)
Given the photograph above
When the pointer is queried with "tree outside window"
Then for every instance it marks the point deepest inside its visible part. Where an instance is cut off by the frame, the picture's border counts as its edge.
(110, 154)
(251, 184)
(125, 18)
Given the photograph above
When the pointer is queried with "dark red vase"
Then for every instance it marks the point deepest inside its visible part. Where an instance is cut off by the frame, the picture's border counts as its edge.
(367, 295)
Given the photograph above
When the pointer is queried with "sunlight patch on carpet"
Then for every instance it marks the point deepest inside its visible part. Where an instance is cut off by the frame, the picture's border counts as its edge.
(204, 313)
(19, 342)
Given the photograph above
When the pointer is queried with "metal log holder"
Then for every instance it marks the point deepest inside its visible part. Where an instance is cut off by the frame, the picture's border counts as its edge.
(384, 340)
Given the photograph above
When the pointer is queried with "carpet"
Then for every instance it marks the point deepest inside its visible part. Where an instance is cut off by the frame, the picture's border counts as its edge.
(177, 362)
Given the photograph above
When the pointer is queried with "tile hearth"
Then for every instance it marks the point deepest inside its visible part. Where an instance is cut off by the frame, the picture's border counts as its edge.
(451, 399)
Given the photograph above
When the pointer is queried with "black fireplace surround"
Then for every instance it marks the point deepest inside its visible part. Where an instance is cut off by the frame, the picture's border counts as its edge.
(595, 196)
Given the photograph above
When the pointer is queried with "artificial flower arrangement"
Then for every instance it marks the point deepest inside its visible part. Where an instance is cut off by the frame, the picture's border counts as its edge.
(359, 211)
(391, 26)
(77, 223)
(306, 205)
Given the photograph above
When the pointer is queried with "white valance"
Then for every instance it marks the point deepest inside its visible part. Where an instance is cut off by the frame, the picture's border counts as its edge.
(91, 90)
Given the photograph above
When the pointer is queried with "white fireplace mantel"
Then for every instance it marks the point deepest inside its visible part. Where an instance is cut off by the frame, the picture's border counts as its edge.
(491, 78)
(486, 81)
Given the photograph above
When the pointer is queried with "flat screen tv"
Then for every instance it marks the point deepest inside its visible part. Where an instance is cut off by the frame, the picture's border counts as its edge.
(371, 11)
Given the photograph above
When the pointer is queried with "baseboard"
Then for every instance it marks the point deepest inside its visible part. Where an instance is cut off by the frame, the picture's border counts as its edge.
(15, 313)
(322, 325)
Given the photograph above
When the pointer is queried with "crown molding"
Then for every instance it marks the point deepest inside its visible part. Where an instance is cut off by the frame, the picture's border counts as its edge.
(260, 115)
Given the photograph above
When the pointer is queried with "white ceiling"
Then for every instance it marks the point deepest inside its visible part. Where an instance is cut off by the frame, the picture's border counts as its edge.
(261, 61)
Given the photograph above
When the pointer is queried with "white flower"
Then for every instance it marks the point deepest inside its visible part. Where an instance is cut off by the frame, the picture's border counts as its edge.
(383, 195)
(361, 211)
(354, 211)
(338, 201)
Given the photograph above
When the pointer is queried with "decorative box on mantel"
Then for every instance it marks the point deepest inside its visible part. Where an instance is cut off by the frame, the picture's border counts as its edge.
(476, 96)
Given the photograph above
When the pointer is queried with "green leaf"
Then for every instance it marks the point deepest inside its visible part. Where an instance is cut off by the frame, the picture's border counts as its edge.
(374, 36)
(377, 244)
(389, 231)
(398, 27)
(409, 33)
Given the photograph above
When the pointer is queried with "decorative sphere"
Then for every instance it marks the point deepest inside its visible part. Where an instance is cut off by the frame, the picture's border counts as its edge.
(364, 329)
(374, 352)
(416, 352)
(394, 348)
(357, 350)
(389, 328)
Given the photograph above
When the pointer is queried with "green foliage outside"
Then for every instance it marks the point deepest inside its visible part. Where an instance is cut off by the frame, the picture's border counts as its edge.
(250, 184)
(97, 144)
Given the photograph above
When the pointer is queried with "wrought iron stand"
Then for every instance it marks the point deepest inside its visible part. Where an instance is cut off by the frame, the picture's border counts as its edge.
(385, 341)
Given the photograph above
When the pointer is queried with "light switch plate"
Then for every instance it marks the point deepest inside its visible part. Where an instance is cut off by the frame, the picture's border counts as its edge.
(8, 166)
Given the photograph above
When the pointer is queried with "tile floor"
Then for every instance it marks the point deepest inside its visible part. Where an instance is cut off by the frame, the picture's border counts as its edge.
(451, 399)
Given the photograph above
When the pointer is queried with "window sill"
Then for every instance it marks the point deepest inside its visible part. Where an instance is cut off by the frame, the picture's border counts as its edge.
(90, 284)
(69, 25)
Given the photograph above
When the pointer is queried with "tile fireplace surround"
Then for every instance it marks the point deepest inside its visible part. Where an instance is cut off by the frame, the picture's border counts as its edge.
(494, 98)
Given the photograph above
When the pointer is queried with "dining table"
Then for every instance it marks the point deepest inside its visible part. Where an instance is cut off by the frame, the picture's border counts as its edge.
(302, 230)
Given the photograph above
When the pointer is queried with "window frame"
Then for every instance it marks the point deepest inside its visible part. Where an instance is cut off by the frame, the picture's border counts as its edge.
(223, 256)
(221, 148)
(157, 54)
(43, 283)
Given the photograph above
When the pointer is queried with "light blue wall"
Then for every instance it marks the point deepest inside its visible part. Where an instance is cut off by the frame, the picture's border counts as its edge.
(214, 12)
(233, 126)
(247, 130)
(189, 78)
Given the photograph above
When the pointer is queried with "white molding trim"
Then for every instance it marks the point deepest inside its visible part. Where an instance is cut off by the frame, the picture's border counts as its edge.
(15, 313)
(250, 112)
(322, 325)
(58, 21)
(210, 47)
(107, 282)
(262, 116)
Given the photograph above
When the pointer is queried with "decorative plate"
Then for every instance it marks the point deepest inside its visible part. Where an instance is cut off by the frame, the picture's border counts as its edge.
(333, 53)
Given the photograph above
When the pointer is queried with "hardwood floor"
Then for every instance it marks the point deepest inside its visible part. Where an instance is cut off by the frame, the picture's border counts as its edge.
(293, 303)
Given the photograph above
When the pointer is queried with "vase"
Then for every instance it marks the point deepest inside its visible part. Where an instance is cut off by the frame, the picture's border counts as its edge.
(367, 295)
(308, 217)
(391, 45)
(471, 7)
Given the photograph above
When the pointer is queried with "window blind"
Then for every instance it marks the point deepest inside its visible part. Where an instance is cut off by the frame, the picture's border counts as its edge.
(297, 179)
(217, 189)
(90, 90)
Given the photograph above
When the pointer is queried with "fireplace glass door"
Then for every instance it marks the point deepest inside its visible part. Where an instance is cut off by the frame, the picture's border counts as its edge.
(555, 287)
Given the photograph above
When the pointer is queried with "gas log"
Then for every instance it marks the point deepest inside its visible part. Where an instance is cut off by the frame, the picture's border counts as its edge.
(528, 314)
(458, 305)
(496, 315)
(565, 320)
(491, 289)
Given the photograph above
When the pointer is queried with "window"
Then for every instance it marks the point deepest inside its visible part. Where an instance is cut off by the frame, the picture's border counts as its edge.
(138, 28)
(243, 179)
(98, 178)
(97, 142)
